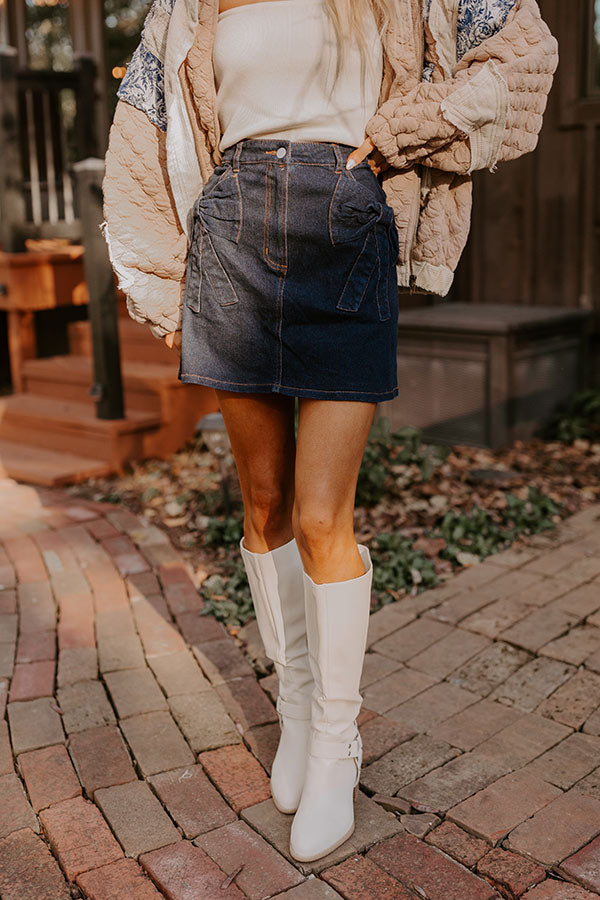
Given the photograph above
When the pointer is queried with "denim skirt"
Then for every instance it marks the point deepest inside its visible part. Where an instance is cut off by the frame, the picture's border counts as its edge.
(291, 276)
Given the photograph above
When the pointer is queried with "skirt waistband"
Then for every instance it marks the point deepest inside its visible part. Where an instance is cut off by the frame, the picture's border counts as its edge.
(259, 150)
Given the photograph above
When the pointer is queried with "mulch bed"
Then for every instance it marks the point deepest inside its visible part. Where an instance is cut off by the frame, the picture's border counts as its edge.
(184, 494)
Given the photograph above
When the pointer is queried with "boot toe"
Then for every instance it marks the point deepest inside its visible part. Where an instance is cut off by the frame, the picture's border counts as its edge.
(307, 845)
(325, 816)
(289, 765)
(286, 797)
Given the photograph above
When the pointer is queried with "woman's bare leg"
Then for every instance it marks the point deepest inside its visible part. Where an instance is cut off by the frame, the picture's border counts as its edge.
(337, 596)
(331, 441)
(261, 432)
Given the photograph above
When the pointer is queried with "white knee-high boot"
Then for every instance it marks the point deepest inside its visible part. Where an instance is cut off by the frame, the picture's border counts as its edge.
(337, 619)
(276, 585)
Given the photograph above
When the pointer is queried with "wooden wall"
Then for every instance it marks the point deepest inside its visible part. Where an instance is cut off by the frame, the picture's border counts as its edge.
(535, 235)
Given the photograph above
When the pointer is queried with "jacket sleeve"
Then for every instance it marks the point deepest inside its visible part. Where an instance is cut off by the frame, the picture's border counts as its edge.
(490, 110)
(147, 247)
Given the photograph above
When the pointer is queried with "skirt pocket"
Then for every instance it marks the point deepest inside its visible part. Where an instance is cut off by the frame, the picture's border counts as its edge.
(360, 218)
(217, 224)
(372, 263)
(193, 275)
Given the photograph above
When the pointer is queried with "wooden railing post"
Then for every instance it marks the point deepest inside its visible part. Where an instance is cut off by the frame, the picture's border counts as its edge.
(11, 176)
(87, 141)
(107, 389)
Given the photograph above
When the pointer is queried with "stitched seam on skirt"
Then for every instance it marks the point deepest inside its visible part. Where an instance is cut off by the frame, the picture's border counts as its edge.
(280, 290)
(294, 387)
(283, 210)
(383, 305)
(291, 387)
(224, 380)
(330, 213)
(282, 277)
(241, 203)
(266, 213)
(282, 267)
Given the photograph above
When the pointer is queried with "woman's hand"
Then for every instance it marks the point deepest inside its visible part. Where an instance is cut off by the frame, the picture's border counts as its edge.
(173, 340)
(378, 162)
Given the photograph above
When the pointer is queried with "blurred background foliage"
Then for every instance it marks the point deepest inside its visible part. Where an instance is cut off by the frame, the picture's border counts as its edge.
(49, 43)
(122, 26)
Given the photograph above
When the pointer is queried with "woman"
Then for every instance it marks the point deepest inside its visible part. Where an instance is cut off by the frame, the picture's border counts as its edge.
(276, 170)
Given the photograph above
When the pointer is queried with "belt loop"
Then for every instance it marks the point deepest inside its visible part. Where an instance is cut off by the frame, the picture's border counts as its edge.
(235, 162)
(339, 158)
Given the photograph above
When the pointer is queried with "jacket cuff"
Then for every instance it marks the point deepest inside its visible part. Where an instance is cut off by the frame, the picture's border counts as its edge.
(165, 325)
(424, 278)
(140, 287)
(480, 109)
(161, 331)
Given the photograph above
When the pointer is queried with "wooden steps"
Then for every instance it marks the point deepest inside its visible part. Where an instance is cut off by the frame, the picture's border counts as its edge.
(67, 427)
(37, 465)
(49, 432)
(149, 389)
(70, 378)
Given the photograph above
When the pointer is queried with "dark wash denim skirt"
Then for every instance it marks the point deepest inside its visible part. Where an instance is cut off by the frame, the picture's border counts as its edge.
(291, 276)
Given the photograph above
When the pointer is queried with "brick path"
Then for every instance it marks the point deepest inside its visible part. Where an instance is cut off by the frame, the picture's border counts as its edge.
(135, 738)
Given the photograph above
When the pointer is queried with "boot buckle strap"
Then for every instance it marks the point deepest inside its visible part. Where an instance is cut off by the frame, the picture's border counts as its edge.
(292, 710)
(336, 750)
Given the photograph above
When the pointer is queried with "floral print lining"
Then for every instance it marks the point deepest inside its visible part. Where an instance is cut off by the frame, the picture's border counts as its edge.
(479, 20)
(144, 83)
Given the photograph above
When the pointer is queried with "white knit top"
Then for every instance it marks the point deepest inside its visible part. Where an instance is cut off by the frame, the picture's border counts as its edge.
(274, 64)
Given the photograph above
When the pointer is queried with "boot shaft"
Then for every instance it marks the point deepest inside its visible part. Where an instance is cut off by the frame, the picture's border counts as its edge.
(337, 621)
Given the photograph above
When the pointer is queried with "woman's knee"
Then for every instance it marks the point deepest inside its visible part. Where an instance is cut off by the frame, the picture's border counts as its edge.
(268, 506)
(318, 529)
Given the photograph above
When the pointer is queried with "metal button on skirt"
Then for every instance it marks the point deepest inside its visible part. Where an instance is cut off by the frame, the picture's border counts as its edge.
(291, 276)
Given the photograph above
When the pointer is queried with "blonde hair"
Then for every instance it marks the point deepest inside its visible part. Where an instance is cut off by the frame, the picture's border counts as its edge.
(348, 18)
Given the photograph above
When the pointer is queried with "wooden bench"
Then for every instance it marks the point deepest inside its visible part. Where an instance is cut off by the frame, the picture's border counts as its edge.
(486, 374)
(33, 281)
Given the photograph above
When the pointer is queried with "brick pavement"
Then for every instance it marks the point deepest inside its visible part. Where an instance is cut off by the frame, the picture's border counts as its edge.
(136, 740)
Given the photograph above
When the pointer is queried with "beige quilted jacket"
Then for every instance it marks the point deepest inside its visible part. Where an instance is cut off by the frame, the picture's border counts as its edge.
(464, 87)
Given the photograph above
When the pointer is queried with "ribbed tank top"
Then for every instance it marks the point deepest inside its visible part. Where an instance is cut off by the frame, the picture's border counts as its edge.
(274, 64)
